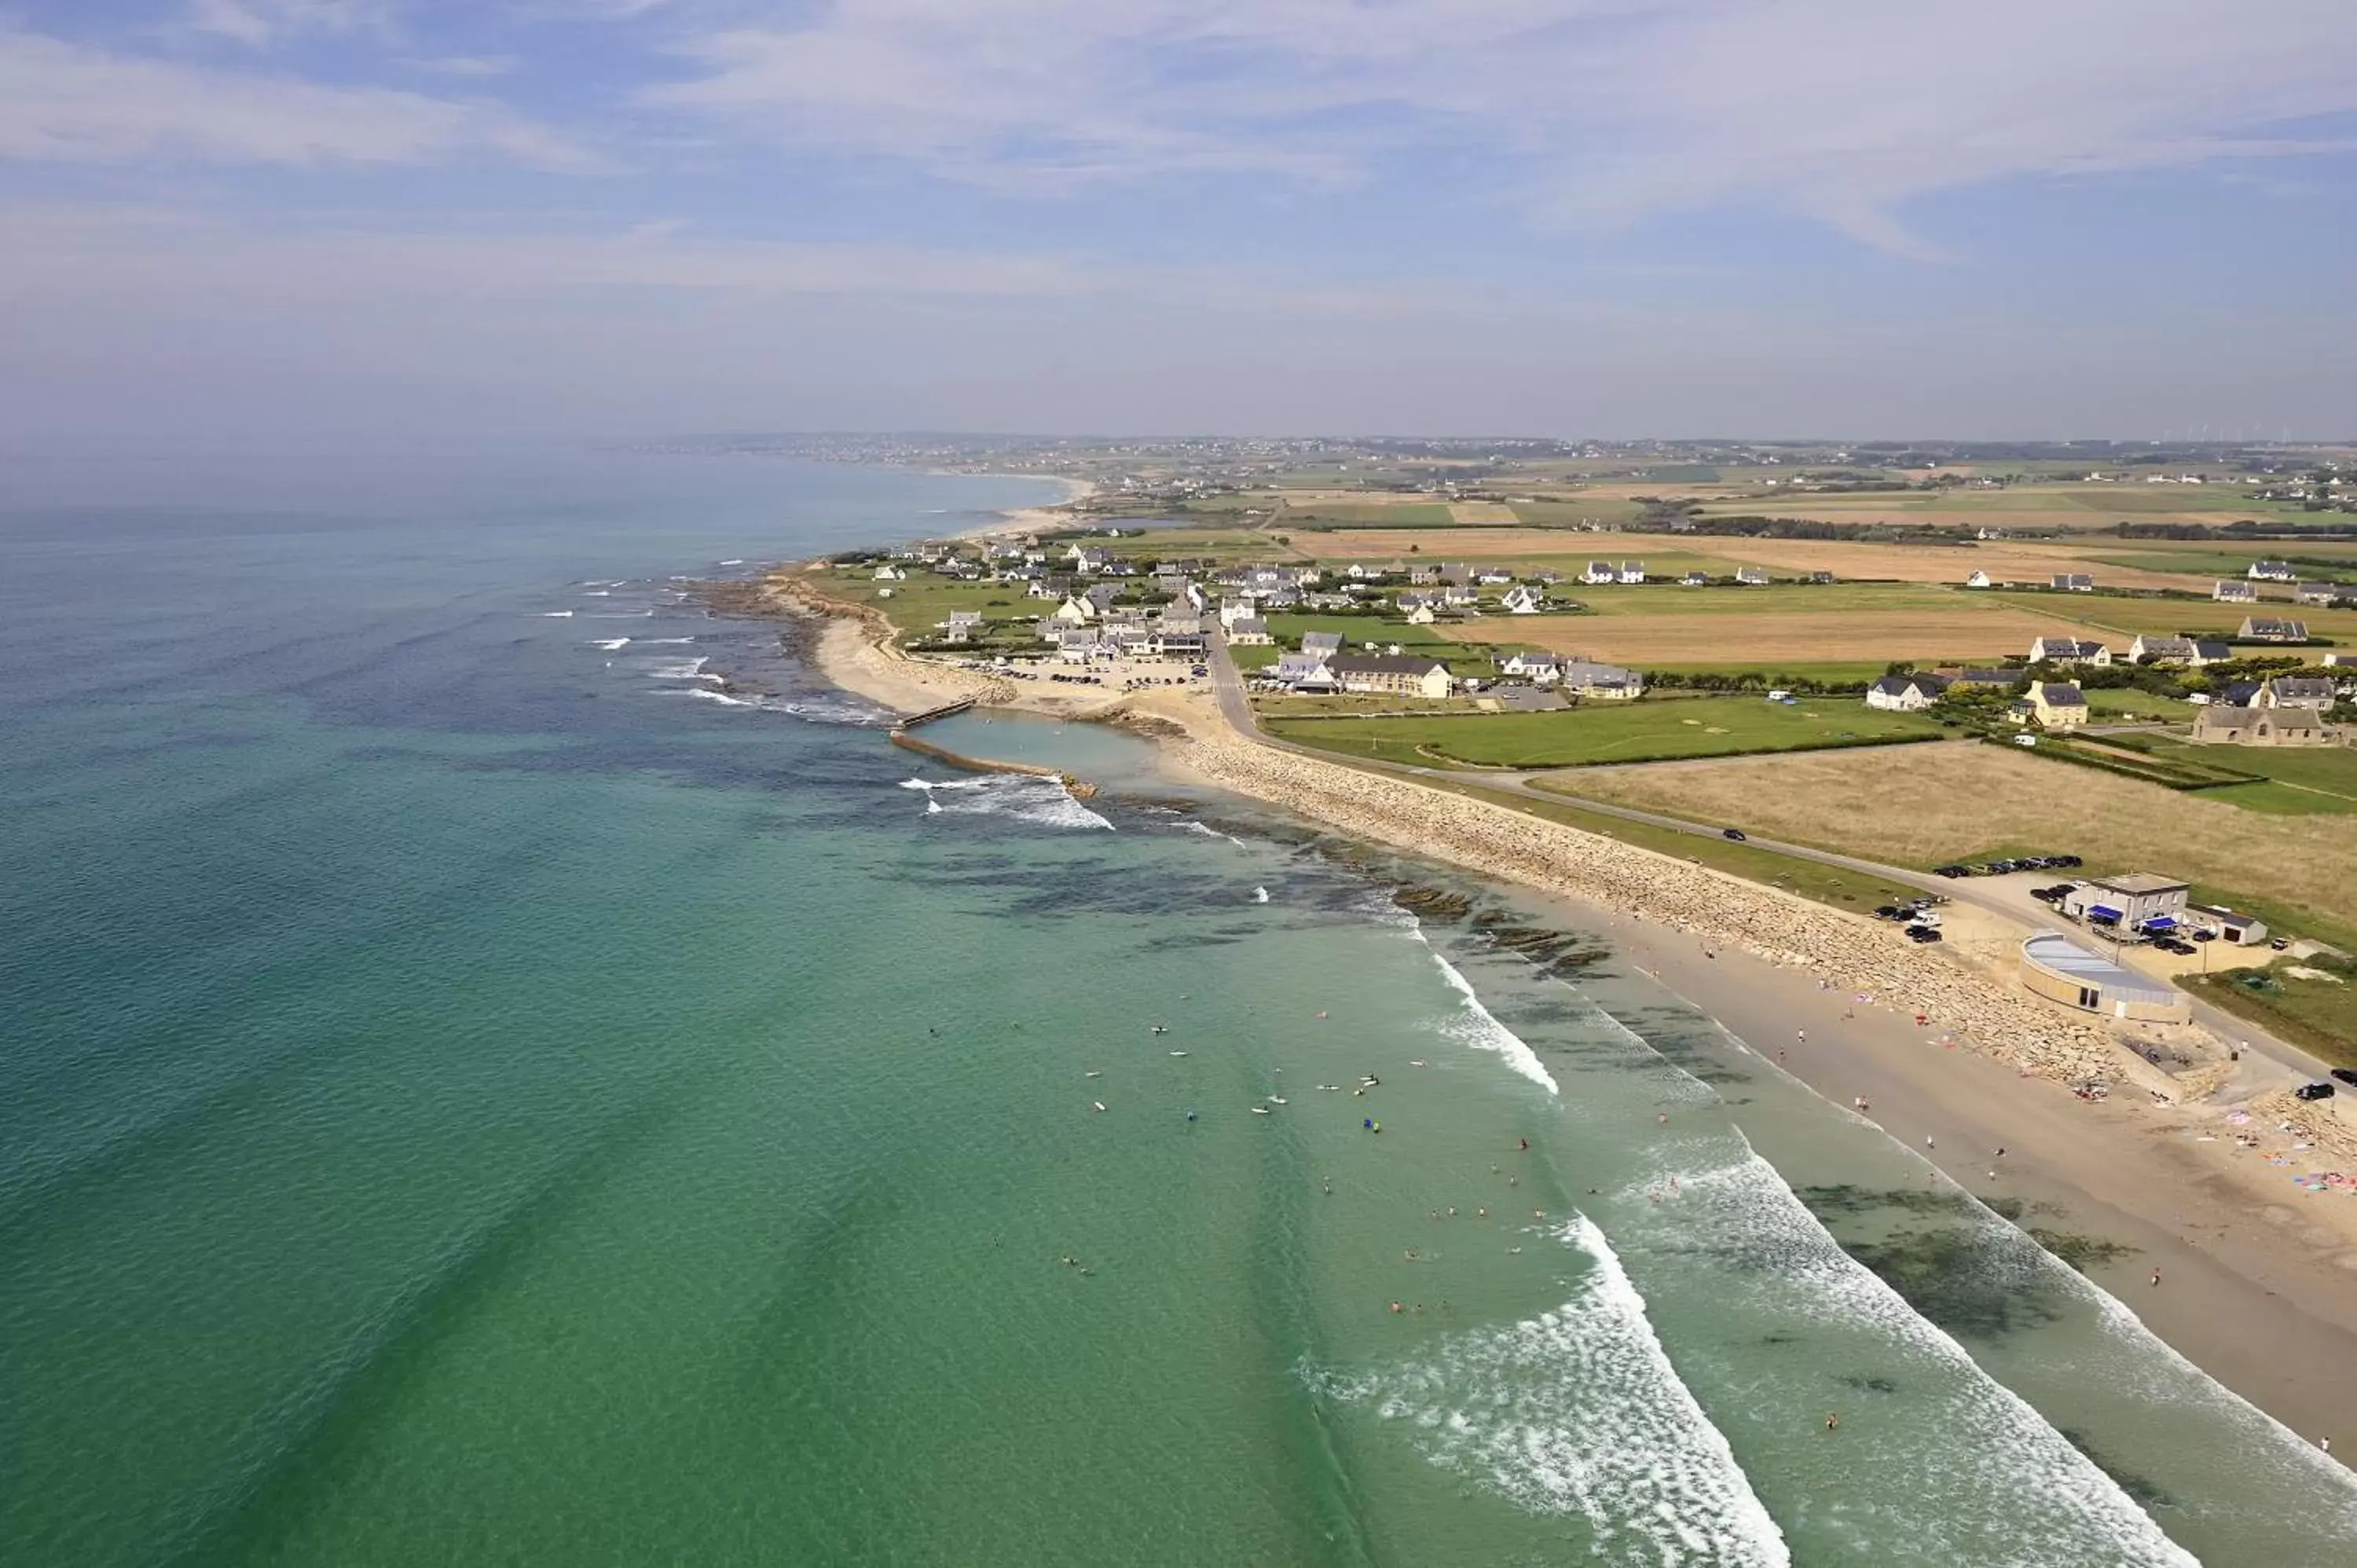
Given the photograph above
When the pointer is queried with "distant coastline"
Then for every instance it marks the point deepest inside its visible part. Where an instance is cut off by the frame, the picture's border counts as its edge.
(1936, 1048)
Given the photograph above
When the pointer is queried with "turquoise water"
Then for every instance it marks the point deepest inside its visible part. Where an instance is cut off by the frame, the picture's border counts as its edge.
(478, 1089)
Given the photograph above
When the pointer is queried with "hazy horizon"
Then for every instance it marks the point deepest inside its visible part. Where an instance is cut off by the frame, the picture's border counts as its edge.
(343, 218)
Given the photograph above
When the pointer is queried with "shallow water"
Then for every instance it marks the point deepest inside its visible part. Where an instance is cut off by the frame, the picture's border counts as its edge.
(476, 1089)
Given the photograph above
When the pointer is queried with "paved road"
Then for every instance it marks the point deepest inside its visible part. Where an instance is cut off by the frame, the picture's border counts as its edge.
(1235, 705)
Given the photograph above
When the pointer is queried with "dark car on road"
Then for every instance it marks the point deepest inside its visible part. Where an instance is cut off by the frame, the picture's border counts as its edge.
(1735, 833)
(1923, 933)
(2317, 1090)
(1952, 871)
(2345, 1076)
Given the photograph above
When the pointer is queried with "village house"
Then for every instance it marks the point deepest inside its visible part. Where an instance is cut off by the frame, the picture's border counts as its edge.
(2234, 591)
(1979, 579)
(1632, 572)
(1303, 672)
(2325, 594)
(1458, 596)
(887, 572)
(1074, 612)
(1695, 580)
(1752, 576)
(2190, 652)
(2313, 693)
(1599, 572)
(1493, 577)
(2058, 704)
(2266, 628)
(962, 626)
(2068, 651)
(1424, 575)
(2273, 572)
(1906, 694)
(1985, 531)
(1822, 579)
(1321, 645)
(1983, 679)
(2073, 582)
(1604, 683)
(1522, 601)
(1395, 675)
(1078, 644)
(2221, 723)
(1541, 669)
(1248, 631)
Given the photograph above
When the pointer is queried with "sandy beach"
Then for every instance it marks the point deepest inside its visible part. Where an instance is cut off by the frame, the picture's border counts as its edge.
(2259, 1274)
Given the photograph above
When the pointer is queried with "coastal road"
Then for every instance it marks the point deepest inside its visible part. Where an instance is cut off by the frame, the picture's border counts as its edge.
(1235, 705)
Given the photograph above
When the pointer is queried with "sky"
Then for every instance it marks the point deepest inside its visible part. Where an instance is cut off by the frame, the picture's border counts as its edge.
(1850, 218)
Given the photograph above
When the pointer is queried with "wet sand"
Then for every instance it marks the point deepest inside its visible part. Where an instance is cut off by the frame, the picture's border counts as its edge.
(2256, 1288)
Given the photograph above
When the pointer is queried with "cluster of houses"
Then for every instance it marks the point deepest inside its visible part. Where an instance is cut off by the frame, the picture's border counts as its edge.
(2282, 711)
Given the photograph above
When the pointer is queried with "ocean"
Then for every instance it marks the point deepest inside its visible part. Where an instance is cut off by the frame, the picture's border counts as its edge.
(501, 1065)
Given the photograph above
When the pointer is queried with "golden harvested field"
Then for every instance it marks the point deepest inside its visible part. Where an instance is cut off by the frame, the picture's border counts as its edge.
(2006, 561)
(1820, 637)
(1923, 805)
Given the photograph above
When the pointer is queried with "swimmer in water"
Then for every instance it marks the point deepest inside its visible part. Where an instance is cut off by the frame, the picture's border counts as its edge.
(1832, 1422)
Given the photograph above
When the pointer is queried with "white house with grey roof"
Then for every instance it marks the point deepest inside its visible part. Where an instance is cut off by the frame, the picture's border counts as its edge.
(2068, 651)
(2234, 591)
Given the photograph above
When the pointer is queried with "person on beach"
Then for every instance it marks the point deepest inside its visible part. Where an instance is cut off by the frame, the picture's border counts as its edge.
(2155, 1276)
(1832, 1421)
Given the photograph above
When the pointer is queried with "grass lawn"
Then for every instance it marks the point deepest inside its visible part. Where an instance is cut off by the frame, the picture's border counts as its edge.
(2319, 779)
(924, 600)
(1644, 731)
(2128, 702)
(1573, 511)
(2318, 1013)
(1780, 672)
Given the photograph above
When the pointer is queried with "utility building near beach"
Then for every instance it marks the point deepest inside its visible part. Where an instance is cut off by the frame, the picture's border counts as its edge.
(2061, 970)
(2133, 903)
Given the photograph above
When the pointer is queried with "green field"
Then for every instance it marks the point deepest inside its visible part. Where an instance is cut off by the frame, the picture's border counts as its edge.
(2211, 562)
(2318, 1013)
(2129, 617)
(1780, 672)
(2324, 776)
(1364, 514)
(2126, 702)
(1778, 599)
(924, 601)
(1573, 511)
(1647, 731)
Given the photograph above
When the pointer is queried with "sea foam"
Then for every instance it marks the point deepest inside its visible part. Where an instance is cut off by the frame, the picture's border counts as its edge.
(1579, 1412)
(1026, 798)
(1477, 1026)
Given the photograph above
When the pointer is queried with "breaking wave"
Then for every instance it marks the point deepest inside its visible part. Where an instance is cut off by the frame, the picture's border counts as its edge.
(1579, 1412)
(1043, 801)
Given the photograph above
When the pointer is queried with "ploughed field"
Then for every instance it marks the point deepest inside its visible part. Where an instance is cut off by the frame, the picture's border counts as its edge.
(1656, 729)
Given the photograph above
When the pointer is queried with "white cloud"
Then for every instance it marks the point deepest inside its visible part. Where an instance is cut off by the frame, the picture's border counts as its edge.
(1598, 111)
(260, 23)
(64, 103)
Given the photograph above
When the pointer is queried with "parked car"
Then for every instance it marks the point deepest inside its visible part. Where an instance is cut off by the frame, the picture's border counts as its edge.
(2345, 1076)
(2068, 862)
(1922, 934)
(2199, 935)
(2045, 894)
(2279, 943)
(2317, 1090)
(1891, 912)
(1952, 872)
(1735, 833)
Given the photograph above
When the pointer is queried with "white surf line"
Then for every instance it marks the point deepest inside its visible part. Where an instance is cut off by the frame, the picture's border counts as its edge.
(2065, 1495)
(1579, 1412)
(1477, 1026)
(2166, 1374)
